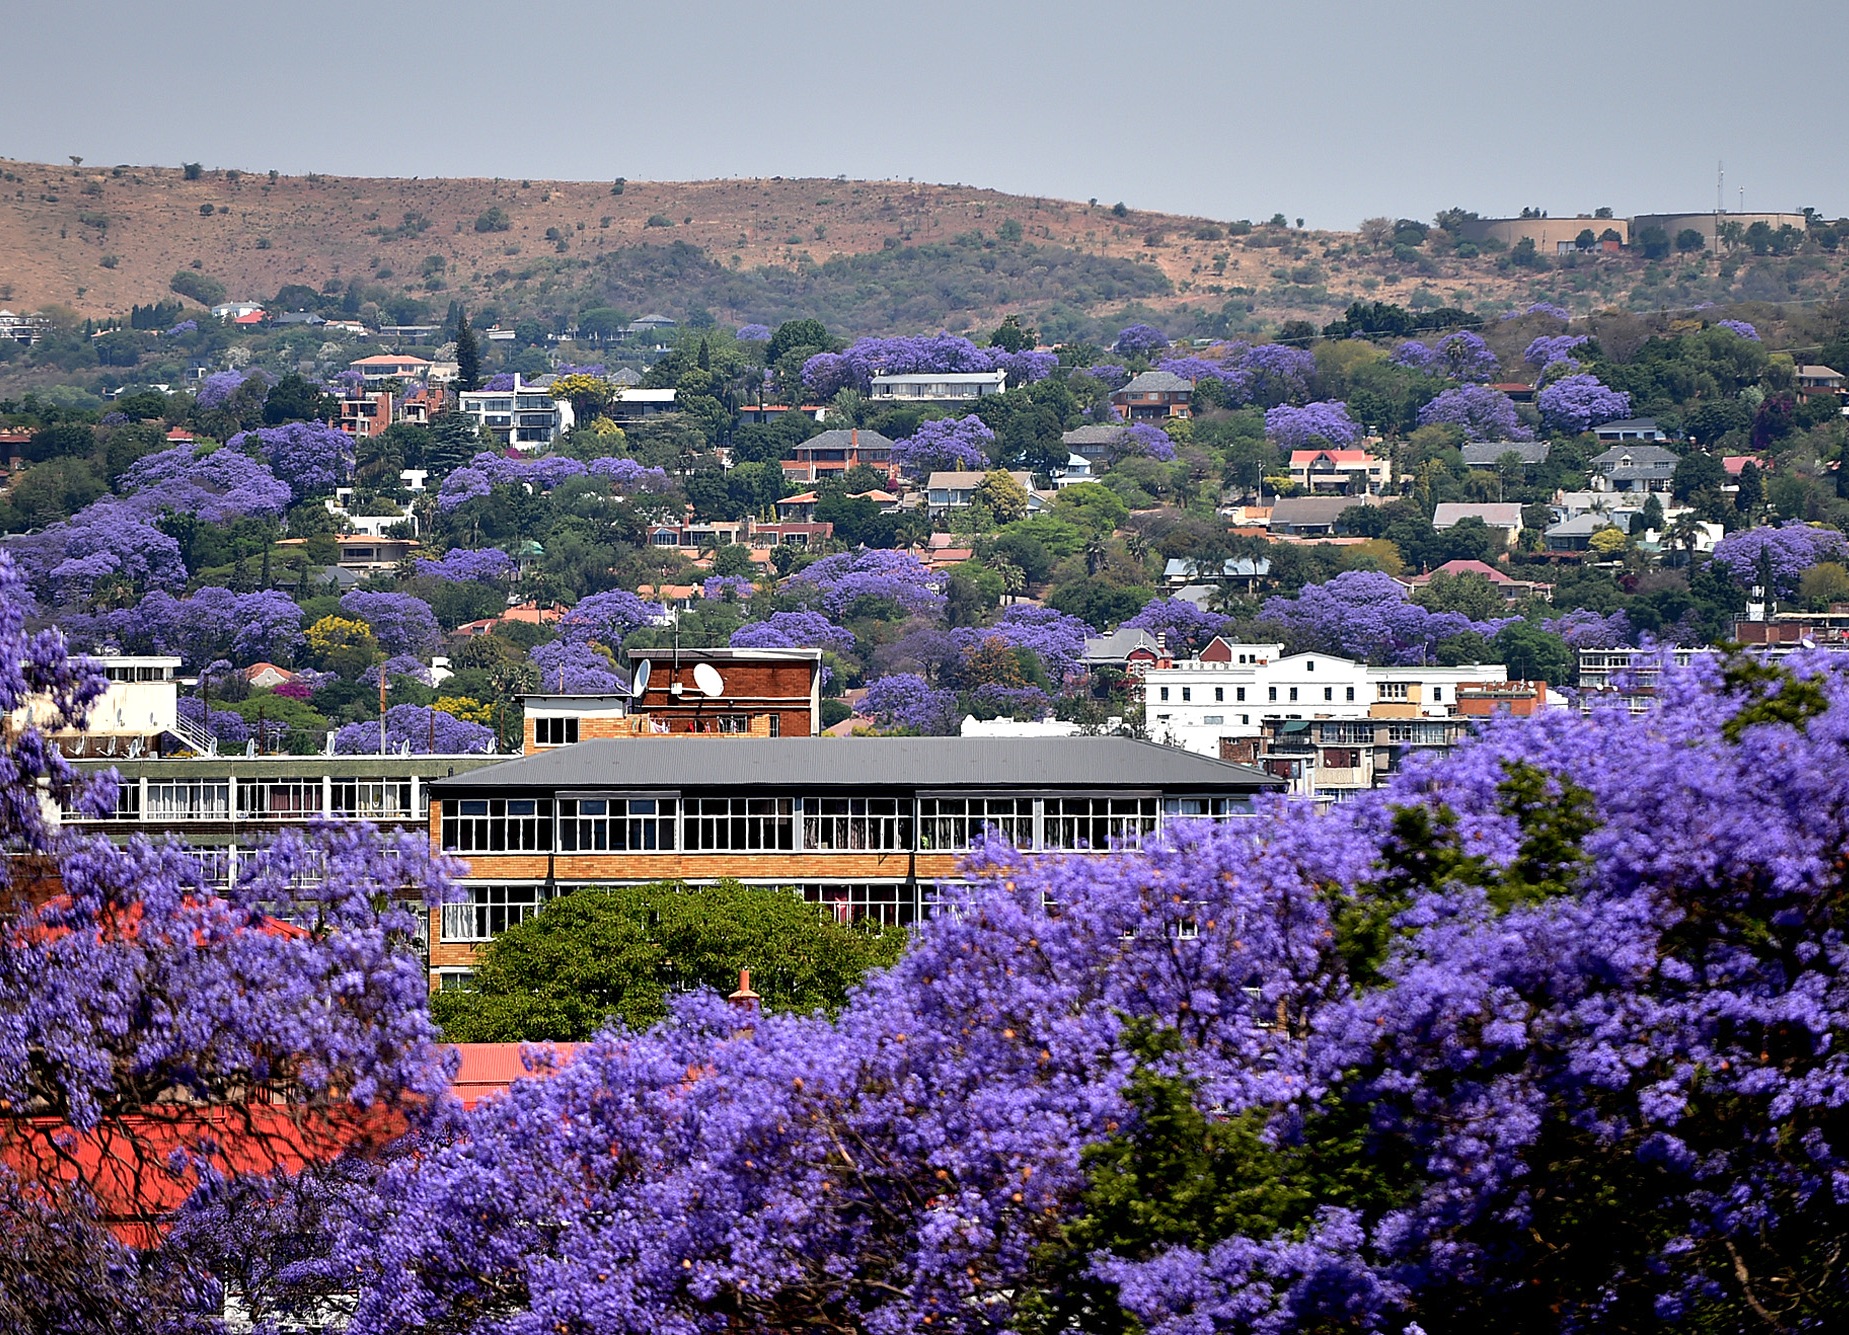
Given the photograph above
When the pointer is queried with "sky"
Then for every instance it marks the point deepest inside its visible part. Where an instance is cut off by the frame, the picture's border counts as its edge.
(1326, 110)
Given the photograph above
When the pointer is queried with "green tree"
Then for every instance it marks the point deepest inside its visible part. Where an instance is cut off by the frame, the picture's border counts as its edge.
(792, 335)
(1005, 498)
(295, 399)
(468, 356)
(1696, 472)
(454, 440)
(595, 956)
(1534, 654)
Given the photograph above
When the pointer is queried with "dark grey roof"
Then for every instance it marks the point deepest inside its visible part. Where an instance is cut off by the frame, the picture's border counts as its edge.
(841, 438)
(1627, 424)
(1294, 511)
(1638, 453)
(1036, 763)
(1099, 434)
(1480, 453)
(1151, 381)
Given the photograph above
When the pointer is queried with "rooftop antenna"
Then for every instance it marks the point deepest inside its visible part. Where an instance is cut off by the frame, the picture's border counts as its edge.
(1720, 187)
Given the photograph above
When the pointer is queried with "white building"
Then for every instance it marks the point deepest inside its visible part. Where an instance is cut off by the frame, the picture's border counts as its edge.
(939, 386)
(526, 416)
(1196, 704)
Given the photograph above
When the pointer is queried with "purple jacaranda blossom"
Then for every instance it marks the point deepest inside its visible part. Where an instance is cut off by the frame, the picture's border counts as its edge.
(827, 373)
(209, 624)
(1055, 638)
(1272, 373)
(1583, 628)
(630, 475)
(1578, 403)
(1111, 374)
(1786, 552)
(1184, 627)
(727, 588)
(945, 444)
(1483, 413)
(609, 618)
(1139, 340)
(217, 486)
(1299, 428)
(184, 327)
(401, 622)
(906, 702)
(1740, 327)
(400, 665)
(571, 667)
(1197, 369)
(1149, 440)
(227, 728)
(794, 630)
(753, 333)
(1464, 356)
(489, 469)
(218, 388)
(1367, 615)
(461, 565)
(1546, 308)
(313, 458)
(420, 730)
(499, 383)
(1551, 348)
(993, 700)
(103, 543)
(1416, 355)
(839, 582)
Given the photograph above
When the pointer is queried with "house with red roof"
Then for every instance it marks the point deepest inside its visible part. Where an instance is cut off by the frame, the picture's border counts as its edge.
(1513, 590)
(1339, 472)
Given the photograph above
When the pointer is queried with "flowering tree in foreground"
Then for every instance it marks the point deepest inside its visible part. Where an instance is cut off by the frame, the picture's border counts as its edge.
(419, 729)
(568, 667)
(906, 701)
(842, 580)
(161, 1038)
(944, 444)
(1542, 1038)
(402, 623)
(1299, 428)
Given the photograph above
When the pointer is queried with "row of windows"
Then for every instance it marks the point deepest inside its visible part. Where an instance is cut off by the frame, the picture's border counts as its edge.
(1239, 694)
(492, 909)
(822, 824)
(182, 800)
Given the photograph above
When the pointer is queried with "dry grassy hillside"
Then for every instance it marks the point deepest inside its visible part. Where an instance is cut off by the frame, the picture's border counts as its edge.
(98, 239)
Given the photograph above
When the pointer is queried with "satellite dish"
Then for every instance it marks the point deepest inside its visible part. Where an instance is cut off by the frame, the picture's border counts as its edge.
(639, 682)
(707, 678)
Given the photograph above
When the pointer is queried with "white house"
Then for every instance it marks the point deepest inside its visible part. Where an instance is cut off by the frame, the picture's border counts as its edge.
(526, 416)
(948, 491)
(939, 386)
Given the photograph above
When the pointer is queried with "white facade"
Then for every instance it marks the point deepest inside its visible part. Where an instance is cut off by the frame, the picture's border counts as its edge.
(526, 417)
(940, 386)
(1196, 704)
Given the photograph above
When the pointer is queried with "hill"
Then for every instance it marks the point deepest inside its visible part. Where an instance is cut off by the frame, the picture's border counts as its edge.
(867, 256)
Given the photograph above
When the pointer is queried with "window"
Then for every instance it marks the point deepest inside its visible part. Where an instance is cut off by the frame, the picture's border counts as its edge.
(885, 903)
(279, 799)
(1187, 694)
(1273, 692)
(1219, 694)
(492, 909)
(1341, 757)
(1328, 692)
(954, 823)
(497, 825)
(1351, 693)
(1309, 665)
(1165, 695)
(739, 824)
(182, 800)
(1293, 694)
(1239, 694)
(555, 731)
(1438, 693)
(1205, 808)
(1213, 718)
(373, 799)
(880, 824)
(1393, 690)
(1093, 822)
(616, 825)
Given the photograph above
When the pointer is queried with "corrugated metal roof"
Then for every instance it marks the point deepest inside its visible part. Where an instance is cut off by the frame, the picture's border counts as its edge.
(684, 762)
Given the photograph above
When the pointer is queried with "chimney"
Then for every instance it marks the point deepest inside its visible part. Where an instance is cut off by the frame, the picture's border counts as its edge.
(745, 999)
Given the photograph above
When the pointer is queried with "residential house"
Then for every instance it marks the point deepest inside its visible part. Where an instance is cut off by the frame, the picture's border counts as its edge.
(867, 828)
(526, 416)
(632, 405)
(1329, 759)
(25, 329)
(1134, 650)
(1629, 429)
(266, 676)
(938, 387)
(390, 366)
(365, 552)
(1154, 396)
(1339, 472)
(366, 413)
(949, 491)
(941, 551)
(1815, 381)
(1512, 590)
(305, 318)
(1076, 469)
(1489, 453)
(1312, 516)
(1099, 443)
(1575, 534)
(1638, 468)
(834, 451)
(1503, 517)
(236, 310)
(1185, 570)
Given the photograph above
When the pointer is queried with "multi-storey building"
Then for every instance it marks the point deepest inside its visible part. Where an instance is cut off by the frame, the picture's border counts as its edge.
(760, 692)
(525, 416)
(869, 828)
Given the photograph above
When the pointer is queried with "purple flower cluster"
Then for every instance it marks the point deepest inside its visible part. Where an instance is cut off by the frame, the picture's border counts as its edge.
(609, 618)
(1483, 413)
(794, 630)
(1461, 356)
(1112, 375)
(629, 474)
(213, 623)
(461, 565)
(499, 383)
(1367, 615)
(571, 667)
(218, 486)
(1787, 552)
(1299, 428)
(1578, 403)
(105, 542)
(839, 582)
(1583, 628)
(1740, 327)
(1139, 340)
(218, 388)
(1547, 308)
(401, 622)
(227, 728)
(1149, 440)
(905, 701)
(312, 458)
(828, 373)
(993, 700)
(1185, 627)
(488, 470)
(400, 665)
(1055, 638)
(184, 327)
(724, 587)
(753, 333)
(945, 444)
(418, 729)
(1550, 348)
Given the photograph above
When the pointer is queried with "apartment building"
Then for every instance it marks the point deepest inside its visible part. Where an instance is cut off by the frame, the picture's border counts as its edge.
(869, 828)
(937, 387)
(525, 416)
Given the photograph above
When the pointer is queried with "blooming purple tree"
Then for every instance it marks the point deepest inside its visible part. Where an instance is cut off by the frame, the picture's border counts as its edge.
(1148, 440)
(1415, 355)
(1550, 348)
(1785, 553)
(571, 667)
(794, 630)
(753, 333)
(609, 618)
(1139, 340)
(1300, 428)
(212, 623)
(402, 623)
(945, 444)
(906, 702)
(418, 729)
(1483, 413)
(220, 386)
(1465, 356)
(312, 458)
(460, 565)
(1740, 327)
(1578, 403)
(842, 581)
(104, 544)
(218, 486)
(1185, 628)
(1273, 373)
(1112, 375)
(629, 474)
(1583, 628)
(1367, 615)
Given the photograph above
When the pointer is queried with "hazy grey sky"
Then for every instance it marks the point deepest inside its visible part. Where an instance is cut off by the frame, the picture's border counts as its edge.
(1332, 110)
